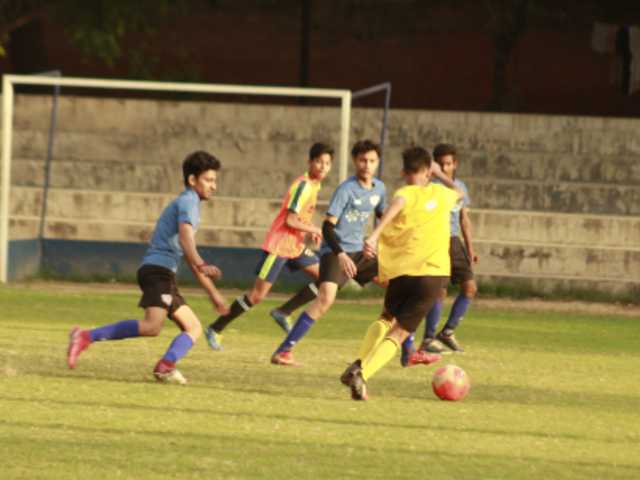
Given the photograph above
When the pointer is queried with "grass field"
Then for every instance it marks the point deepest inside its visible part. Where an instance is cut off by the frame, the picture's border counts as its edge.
(553, 396)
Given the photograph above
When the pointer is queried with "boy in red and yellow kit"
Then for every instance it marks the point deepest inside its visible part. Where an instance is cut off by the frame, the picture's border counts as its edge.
(285, 242)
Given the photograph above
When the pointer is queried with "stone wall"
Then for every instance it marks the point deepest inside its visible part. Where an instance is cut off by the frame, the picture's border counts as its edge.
(555, 199)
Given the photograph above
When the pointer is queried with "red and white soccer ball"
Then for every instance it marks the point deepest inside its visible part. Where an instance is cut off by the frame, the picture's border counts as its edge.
(450, 383)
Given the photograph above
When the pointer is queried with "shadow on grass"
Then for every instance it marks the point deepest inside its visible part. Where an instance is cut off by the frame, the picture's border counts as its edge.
(328, 450)
(336, 422)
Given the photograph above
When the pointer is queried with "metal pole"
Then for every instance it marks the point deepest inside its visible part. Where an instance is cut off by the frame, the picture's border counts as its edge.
(386, 87)
(345, 126)
(47, 165)
(7, 114)
(369, 90)
(385, 125)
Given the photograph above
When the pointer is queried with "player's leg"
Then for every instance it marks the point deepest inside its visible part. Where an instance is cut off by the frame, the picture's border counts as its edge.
(375, 334)
(312, 270)
(165, 370)
(331, 278)
(462, 274)
(429, 342)
(459, 308)
(407, 299)
(309, 263)
(367, 272)
(359, 372)
(156, 285)
(306, 320)
(267, 272)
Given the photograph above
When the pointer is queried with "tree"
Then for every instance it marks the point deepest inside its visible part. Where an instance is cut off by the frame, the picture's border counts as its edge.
(14, 14)
(97, 28)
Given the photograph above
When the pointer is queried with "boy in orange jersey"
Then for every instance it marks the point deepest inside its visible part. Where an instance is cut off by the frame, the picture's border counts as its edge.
(285, 242)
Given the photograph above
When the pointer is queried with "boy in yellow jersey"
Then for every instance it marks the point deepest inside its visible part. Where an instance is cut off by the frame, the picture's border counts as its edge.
(412, 240)
(285, 242)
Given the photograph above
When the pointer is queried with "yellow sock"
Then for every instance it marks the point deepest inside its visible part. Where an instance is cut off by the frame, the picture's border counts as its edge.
(375, 334)
(379, 357)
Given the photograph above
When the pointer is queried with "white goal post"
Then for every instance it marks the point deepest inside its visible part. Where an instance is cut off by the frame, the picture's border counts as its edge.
(10, 81)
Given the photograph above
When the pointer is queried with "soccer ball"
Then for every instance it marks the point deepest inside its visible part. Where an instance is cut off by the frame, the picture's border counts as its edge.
(450, 383)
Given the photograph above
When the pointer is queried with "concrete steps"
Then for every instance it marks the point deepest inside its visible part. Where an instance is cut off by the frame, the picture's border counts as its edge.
(553, 197)
(509, 243)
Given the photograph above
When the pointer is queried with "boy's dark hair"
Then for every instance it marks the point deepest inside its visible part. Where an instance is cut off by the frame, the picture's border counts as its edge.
(414, 159)
(318, 149)
(197, 163)
(364, 146)
(442, 150)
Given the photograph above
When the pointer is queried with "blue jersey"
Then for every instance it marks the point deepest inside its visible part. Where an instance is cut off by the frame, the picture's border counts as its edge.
(165, 249)
(352, 205)
(464, 202)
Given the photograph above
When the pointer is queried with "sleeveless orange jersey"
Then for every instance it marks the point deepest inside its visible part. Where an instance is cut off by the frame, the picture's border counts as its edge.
(301, 198)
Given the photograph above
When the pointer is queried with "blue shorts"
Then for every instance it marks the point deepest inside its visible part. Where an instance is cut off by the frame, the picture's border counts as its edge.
(270, 264)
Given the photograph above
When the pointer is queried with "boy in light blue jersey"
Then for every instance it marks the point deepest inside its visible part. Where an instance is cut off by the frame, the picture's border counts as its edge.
(173, 237)
(461, 267)
(343, 230)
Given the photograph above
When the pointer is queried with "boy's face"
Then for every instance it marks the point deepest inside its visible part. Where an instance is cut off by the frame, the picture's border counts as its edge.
(320, 166)
(448, 164)
(366, 165)
(204, 184)
(421, 177)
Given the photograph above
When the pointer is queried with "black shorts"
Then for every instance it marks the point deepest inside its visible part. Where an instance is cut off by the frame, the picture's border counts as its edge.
(461, 270)
(409, 299)
(159, 289)
(330, 270)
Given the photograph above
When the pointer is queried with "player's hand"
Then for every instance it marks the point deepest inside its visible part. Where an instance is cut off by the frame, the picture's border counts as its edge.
(369, 249)
(211, 271)
(473, 257)
(316, 239)
(222, 308)
(347, 265)
(377, 281)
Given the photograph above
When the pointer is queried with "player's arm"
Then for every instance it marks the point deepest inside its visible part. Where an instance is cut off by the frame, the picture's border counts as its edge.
(329, 234)
(206, 274)
(299, 196)
(465, 226)
(370, 244)
(293, 221)
(436, 171)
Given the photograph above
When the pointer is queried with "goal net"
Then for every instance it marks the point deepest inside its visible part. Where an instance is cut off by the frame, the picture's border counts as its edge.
(84, 176)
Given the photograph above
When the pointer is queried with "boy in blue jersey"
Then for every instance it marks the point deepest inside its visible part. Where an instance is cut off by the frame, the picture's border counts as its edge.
(173, 237)
(462, 261)
(341, 256)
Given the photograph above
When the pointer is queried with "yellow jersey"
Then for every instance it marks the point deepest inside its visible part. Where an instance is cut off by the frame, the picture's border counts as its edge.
(416, 242)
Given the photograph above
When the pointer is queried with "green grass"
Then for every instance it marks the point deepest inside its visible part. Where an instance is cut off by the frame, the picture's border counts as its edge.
(553, 396)
(514, 288)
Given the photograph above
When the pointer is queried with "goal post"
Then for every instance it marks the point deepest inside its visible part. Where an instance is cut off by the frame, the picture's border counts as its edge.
(9, 83)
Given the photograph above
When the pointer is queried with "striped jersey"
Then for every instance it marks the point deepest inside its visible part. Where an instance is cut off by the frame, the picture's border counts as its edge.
(301, 198)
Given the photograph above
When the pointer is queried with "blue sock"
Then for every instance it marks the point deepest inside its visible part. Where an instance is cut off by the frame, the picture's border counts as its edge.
(457, 311)
(178, 348)
(116, 331)
(299, 330)
(407, 345)
(433, 318)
